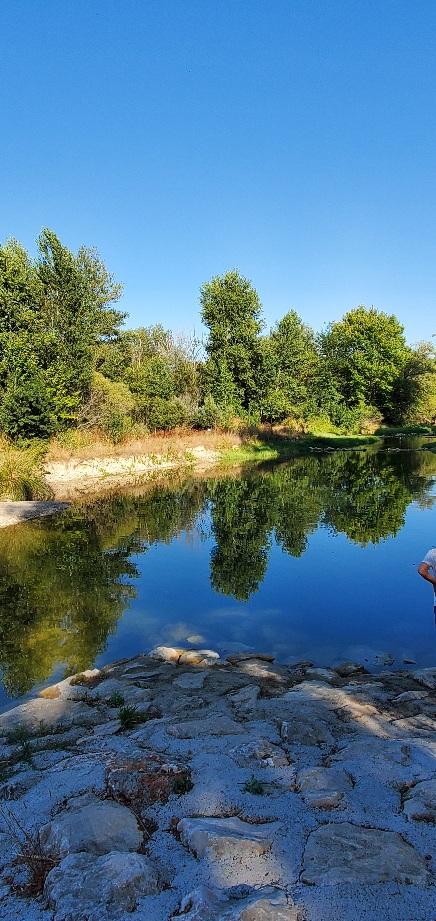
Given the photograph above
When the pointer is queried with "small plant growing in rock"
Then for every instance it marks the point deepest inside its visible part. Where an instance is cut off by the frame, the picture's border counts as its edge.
(254, 786)
(18, 734)
(115, 700)
(131, 716)
(182, 784)
(30, 856)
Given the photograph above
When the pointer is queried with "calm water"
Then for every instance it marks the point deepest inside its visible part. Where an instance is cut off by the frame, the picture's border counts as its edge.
(313, 559)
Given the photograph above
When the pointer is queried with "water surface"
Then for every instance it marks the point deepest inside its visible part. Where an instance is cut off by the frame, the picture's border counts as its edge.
(313, 559)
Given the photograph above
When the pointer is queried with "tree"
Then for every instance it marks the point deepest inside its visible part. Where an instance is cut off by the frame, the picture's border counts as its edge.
(231, 309)
(365, 353)
(295, 359)
(414, 393)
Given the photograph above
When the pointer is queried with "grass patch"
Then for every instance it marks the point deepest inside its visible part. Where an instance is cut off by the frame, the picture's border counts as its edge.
(281, 447)
(21, 473)
(130, 717)
(254, 786)
(386, 430)
(115, 700)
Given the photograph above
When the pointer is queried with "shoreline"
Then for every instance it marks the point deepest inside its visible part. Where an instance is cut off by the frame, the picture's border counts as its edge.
(155, 784)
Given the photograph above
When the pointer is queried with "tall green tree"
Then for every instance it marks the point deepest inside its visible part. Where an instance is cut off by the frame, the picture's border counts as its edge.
(295, 358)
(231, 310)
(365, 353)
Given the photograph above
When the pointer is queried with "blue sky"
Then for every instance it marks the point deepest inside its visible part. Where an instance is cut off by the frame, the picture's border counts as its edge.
(292, 139)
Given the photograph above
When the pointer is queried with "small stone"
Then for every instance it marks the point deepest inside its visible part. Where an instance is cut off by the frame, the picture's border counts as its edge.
(81, 885)
(97, 827)
(420, 802)
(323, 788)
(345, 853)
(226, 837)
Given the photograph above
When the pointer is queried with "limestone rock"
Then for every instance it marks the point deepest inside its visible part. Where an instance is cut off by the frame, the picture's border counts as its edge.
(50, 713)
(210, 904)
(323, 788)
(97, 827)
(180, 656)
(190, 682)
(100, 888)
(245, 699)
(203, 728)
(425, 676)
(420, 801)
(345, 853)
(226, 837)
(262, 752)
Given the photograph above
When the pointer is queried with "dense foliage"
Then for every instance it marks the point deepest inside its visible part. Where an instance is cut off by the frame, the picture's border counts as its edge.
(67, 361)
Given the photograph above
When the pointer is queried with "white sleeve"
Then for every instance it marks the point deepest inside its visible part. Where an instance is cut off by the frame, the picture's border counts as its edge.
(429, 558)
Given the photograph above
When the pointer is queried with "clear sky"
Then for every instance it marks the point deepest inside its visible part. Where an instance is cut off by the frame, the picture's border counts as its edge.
(292, 139)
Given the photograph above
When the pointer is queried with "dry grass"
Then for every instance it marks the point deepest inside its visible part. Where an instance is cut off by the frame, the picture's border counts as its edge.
(30, 857)
(93, 445)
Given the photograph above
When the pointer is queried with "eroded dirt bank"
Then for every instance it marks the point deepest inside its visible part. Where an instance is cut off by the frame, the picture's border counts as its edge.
(177, 784)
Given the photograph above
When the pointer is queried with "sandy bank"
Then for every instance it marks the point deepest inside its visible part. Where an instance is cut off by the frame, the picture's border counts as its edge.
(178, 784)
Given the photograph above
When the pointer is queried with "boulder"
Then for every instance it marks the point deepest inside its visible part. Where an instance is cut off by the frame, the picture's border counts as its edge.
(425, 676)
(100, 888)
(226, 837)
(420, 801)
(98, 827)
(346, 853)
(180, 656)
(345, 669)
(50, 714)
(237, 904)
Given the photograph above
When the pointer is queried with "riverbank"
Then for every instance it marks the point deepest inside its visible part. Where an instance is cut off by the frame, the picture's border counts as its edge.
(178, 784)
(92, 469)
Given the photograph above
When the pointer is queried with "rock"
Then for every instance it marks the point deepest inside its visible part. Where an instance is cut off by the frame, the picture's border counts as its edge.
(97, 827)
(408, 661)
(190, 682)
(66, 690)
(19, 785)
(238, 657)
(420, 802)
(203, 728)
(108, 729)
(100, 887)
(210, 904)
(180, 656)
(345, 853)
(50, 714)
(425, 676)
(409, 695)
(322, 674)
(144, 781)
(245, 699)
(323, 788)
(226, 837)
(345, 669)
(261, 751)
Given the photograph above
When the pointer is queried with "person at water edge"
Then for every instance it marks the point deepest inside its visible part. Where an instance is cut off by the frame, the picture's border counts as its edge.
(427, 569)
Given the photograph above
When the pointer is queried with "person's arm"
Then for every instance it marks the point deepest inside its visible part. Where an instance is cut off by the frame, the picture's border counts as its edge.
(424, 571)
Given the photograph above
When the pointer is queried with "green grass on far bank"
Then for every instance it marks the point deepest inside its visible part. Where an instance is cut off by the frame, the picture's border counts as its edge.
(281, 447)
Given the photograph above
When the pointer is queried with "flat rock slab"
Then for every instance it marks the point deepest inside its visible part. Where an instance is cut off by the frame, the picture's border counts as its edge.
(38, 713)
(202, 729)
(345, 853)
(420, 802)
(97, 828)
(83, 885)
(16, 512)
(226, 837)
(323, 788)
(210, 904)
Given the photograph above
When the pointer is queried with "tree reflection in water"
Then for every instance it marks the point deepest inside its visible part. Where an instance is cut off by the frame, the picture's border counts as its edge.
(65, 583)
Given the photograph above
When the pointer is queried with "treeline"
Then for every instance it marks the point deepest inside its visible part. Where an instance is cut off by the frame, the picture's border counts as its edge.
(67, 362)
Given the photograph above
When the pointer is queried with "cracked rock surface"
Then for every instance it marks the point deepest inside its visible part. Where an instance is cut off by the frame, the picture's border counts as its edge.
(180, 785)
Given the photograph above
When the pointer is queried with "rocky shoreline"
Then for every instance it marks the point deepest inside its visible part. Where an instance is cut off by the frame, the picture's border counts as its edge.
(181, 785)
